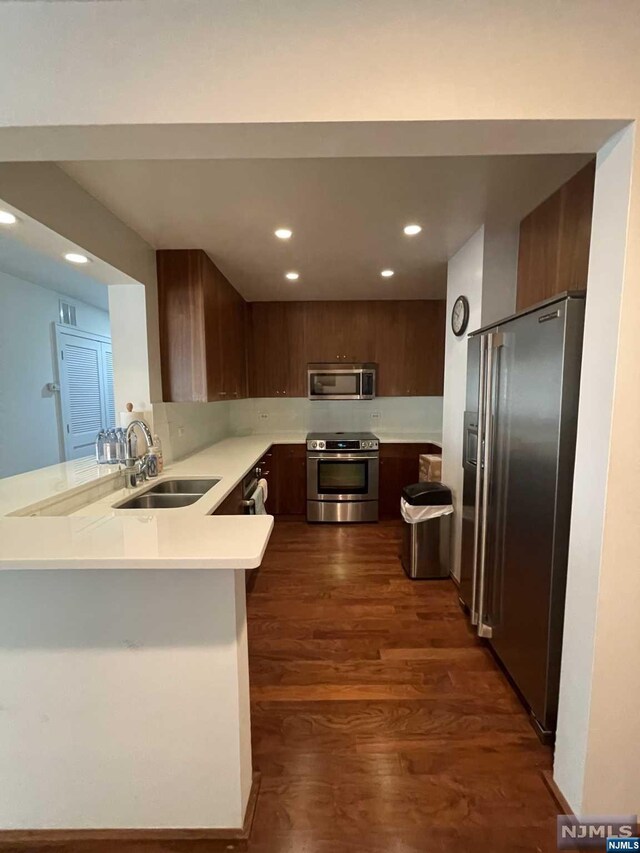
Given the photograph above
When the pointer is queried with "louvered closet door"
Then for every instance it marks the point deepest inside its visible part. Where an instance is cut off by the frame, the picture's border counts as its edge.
(107, 382)
(83, 399)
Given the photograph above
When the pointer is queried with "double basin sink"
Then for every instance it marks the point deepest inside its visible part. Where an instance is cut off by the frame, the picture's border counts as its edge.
(169, 494)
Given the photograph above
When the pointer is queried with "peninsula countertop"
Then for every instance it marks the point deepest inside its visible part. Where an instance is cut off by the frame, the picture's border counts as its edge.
(100, 536)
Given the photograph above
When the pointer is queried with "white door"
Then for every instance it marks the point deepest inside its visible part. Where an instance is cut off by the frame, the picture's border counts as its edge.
(86, 390)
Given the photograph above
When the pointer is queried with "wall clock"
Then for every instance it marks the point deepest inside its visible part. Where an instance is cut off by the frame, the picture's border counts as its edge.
(460, 315)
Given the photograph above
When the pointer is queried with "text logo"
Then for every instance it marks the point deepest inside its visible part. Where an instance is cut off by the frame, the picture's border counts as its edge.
(623, 844)
(595, 830)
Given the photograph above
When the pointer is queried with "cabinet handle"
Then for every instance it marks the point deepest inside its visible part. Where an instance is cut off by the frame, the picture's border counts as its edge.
(222, 394)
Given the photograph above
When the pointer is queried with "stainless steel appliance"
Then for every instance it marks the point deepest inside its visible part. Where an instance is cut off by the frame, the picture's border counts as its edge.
(518, 455)
(342, 476)
(338, 381)
(249, 484)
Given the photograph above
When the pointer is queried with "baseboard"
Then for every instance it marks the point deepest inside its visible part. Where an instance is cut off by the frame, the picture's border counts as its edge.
(556, 793)
(217, 839)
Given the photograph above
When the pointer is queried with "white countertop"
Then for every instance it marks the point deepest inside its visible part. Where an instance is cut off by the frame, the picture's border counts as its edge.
(135, 541)
(37, 488)
(100, 536)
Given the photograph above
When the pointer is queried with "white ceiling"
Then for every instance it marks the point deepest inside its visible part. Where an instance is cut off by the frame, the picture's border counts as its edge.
(33, 252)
(347, 215)
(20, 260)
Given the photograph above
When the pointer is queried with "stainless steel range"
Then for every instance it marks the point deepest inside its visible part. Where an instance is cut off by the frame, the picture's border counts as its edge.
(342, 476)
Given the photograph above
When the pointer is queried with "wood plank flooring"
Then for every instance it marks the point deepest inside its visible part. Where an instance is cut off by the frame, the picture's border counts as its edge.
(380, 724)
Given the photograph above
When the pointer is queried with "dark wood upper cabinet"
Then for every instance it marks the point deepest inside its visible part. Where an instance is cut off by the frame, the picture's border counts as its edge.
(339, 331)
(277, 366)
(406, 339)
(554, 241)
(202, 329)
(409, 347)
(215, 346)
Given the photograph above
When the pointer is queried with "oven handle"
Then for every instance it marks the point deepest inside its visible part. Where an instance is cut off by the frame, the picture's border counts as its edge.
(324, 457)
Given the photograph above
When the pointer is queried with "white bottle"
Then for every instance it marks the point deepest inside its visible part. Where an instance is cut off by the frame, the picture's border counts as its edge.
(157, 450)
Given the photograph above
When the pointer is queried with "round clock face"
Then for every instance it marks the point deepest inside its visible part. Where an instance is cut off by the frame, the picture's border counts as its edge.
(460, 315)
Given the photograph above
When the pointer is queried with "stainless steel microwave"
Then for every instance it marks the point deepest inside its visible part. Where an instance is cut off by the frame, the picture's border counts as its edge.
(338, 381)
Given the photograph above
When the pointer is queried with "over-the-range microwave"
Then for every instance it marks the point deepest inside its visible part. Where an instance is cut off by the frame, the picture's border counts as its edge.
(339, 381)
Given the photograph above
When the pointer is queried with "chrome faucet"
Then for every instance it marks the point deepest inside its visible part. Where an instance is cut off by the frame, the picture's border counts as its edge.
(135, 467)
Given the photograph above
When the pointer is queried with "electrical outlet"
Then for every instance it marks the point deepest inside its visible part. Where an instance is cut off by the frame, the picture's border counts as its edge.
(180, 430)
(263, 416)
(375, 416)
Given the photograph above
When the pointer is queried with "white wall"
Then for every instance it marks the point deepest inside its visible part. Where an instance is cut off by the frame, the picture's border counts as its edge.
(602, 624)
(29, 418)
(464, 278)
(156, 732)
(383, 415)
(128, 312)
(500, 271)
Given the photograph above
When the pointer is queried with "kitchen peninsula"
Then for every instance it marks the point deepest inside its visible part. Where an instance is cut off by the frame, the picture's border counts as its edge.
(124, 658)
(128, 628)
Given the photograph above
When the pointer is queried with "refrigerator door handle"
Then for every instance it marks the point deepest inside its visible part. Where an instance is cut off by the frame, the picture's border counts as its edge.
(477, 521)
(494, 342)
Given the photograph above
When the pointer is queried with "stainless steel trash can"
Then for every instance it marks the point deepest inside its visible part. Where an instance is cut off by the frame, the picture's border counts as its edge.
(425, 544)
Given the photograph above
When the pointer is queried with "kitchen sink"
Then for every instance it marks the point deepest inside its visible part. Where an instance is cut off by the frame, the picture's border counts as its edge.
(182, 487)
(149, 500)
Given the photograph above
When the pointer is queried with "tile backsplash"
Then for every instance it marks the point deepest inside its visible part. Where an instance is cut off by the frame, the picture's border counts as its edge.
(386, 414)
(186, 427)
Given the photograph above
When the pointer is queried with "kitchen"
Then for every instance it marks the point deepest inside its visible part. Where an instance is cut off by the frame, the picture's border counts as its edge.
(357, 629)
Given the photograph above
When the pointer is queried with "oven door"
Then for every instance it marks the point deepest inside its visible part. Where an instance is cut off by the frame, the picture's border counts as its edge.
(342, 477)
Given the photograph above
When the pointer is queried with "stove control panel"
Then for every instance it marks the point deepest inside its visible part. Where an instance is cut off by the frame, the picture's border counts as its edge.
(343, 444)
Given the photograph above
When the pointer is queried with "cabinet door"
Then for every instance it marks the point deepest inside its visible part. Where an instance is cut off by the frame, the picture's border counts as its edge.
(222, 335)
(291, 479)
(387, 321)
(399, 467)
(424, 335)
(181, 308)
(240, 349)
(231, 333)
(214, 299)
(409, 339)
(339, 332)
(277, 366)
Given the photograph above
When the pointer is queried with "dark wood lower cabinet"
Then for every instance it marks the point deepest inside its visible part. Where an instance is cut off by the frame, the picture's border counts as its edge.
(232, 504)
(399, 467)
(288, 480)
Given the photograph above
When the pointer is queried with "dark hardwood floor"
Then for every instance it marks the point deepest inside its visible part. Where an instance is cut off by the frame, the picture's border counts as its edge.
(379, 721)
(380, 724)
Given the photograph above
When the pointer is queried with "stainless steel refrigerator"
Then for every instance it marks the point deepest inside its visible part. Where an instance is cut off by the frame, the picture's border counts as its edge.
(519, 446)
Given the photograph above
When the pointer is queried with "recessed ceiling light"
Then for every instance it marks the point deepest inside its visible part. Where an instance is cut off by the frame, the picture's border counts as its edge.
(283, 233)
(7, 218)
(386, 273)
(76, 258)
(410, 230)
(292, 276)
